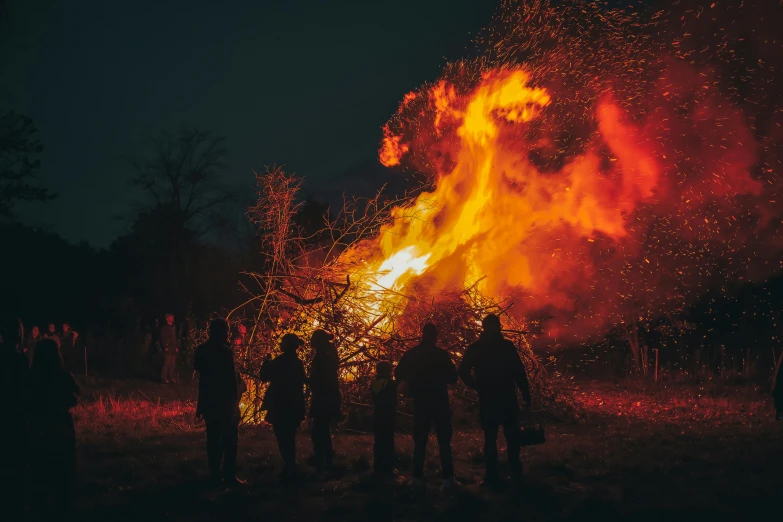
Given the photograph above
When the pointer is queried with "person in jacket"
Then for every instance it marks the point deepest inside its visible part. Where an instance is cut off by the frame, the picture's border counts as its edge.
(31, 341)
(384, 399)
(72, 358)
(284, 400)
(51, 333)
(169, 343)
(493, 368)
(325, 397)
(14, 374)
(219, 391)
(427, 371)
(52, 438)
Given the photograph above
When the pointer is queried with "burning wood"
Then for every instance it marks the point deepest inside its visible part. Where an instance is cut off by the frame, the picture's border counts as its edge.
(323, 280)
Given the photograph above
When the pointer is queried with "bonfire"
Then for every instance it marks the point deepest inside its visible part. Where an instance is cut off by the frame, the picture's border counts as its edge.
(572, 190)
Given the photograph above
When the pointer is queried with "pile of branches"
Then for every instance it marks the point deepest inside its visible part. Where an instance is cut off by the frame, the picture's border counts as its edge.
(321, 280)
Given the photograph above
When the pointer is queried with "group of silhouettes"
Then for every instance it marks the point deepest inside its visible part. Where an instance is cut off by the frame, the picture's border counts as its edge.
(66, 339)
(491, 366)
(38, 431)
(38, 394)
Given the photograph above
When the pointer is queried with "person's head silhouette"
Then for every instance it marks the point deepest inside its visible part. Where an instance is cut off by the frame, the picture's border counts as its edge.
(429, 334)
(219, 330)
(290, 342)
(321, 339)
(491, 324)
(383, 370)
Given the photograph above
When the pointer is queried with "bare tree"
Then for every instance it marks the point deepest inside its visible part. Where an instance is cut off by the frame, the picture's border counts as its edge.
(183, 176)
(19, 150)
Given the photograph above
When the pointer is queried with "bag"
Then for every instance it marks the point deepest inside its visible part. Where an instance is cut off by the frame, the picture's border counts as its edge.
(531, 435)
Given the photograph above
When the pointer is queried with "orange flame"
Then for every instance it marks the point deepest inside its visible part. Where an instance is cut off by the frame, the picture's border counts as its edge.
(563, 237)
(484, 212)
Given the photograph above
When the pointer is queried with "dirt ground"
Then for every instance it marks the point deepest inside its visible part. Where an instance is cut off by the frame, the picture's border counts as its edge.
(642, 455)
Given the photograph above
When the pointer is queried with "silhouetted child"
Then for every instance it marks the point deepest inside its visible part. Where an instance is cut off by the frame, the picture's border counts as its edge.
(777, 395)
(52, 441)
(384, 398)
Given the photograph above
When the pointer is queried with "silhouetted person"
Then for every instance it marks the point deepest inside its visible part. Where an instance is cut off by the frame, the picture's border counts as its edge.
(72, 358)
(492, 367)
(14, 372)
(325, 399)
(52, 439)
(218, 402)
(427, 370)
(284, 400)
(31, 341)
(169, 344)
(384, 418)
(51, 333)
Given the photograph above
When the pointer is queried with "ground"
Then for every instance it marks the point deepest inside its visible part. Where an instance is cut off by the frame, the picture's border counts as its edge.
(683, 453)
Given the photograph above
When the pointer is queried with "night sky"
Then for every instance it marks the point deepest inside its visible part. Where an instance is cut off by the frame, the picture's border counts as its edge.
(306, 84)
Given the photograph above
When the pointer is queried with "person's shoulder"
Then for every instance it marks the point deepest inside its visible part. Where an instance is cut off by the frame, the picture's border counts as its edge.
(510, 348)
(474, 346)
(411, 352)
(509, 343)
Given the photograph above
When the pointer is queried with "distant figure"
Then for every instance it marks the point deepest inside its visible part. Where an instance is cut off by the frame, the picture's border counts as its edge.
(219, 392)
(384, 418)
(51, 333)
(284, 400)
(169, 344)
(52, 439)
(325, 400)
(239, 341)
(14, 373)
(31, 341)
(427, 371)
(72, 358)
(492, 367)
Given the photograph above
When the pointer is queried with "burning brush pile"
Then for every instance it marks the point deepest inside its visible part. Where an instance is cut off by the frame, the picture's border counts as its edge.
(375, 312)
(593, 170)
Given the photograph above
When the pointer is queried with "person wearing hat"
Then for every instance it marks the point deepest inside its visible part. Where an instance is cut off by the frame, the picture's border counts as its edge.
(492, 367)
(284, 399)
(325, 399)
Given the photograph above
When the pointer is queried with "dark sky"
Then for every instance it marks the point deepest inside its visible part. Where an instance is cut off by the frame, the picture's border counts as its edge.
(304, 83)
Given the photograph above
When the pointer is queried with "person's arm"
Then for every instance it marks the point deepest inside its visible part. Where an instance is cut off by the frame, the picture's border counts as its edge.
(520, 375)
(466, 368)
(267, 370)
(402, 371)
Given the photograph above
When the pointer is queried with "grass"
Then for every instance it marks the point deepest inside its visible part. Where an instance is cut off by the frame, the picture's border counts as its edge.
(674, 453)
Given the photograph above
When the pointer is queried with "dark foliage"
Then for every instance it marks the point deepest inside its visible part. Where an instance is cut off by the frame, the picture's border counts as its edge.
(19, 150)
